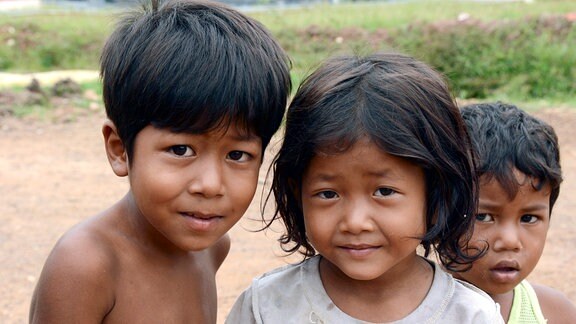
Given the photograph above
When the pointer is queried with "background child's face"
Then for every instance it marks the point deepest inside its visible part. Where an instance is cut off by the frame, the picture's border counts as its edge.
(194, 188)
(515, 230)
(363, 209)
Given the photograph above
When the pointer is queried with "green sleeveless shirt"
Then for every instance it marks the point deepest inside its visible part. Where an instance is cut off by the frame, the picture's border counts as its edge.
(525, 307)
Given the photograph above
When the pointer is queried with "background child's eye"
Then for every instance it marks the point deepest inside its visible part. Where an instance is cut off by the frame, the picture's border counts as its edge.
(327, 194)
(384, 192)
(238, 156)
(484, 218)
(531, 219)
(181, 150)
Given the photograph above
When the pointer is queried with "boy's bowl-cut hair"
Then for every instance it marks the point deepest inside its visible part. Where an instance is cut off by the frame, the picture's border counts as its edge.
(193, 66)
(403, 106)
(507, 138)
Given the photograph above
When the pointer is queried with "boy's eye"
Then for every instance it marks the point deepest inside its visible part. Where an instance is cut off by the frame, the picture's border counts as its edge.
(530, 219)
(181, 150)
(238, 156)
(484, 218)
(382, 192)
(327, 194)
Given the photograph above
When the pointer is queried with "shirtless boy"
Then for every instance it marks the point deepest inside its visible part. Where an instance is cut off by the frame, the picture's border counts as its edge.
(193, 92)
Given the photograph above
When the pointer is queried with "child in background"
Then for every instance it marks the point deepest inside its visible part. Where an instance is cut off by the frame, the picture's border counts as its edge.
(520, 176)
(375, 162)
(193, 91)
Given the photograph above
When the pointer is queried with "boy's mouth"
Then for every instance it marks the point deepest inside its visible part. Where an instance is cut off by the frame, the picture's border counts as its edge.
(199, 221)
(199, 215)
(505, 271)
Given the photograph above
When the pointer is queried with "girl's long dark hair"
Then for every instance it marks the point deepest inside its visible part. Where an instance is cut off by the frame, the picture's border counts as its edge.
(406, 108)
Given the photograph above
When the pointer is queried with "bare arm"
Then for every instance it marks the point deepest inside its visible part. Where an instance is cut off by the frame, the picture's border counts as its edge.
(76, 284)
(556, 307)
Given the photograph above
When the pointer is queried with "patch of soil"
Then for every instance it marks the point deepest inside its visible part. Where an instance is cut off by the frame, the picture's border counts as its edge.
(54, 174)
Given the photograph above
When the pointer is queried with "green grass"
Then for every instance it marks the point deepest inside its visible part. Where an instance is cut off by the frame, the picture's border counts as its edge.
(507, 50)
(52, 41)
(373, 16)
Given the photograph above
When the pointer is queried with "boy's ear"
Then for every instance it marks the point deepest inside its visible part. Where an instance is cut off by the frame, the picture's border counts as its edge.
(115, 149)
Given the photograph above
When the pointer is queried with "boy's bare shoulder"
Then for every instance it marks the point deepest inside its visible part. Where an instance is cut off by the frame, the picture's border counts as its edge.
(77, 280)
(557, 308)
(96, 270)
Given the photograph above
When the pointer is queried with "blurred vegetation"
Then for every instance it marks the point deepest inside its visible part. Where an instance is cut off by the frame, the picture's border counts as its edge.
(510, 51)
(45, 42)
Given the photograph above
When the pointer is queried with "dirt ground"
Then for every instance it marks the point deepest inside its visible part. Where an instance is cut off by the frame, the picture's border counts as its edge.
(55, 174)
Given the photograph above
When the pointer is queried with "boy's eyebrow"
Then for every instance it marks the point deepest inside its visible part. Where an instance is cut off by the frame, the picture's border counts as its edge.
(484, 203)
(245, 136)
(535, 207)
(530, 208)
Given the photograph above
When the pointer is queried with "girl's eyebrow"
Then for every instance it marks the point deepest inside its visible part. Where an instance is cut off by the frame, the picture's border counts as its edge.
(321, 176)
(386, 173)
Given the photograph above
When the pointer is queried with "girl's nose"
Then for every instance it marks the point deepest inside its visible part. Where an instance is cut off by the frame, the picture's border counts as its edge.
(356, 217)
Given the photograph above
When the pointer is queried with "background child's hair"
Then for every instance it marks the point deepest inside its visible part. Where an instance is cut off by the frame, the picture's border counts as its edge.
(193, 66)
(507, 138)
(403, 106)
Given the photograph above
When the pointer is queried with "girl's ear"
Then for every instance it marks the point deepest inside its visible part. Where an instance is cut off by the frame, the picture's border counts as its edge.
(115, 151)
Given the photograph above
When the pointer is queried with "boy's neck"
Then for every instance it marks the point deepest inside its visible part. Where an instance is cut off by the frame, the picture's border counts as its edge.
(505, 301)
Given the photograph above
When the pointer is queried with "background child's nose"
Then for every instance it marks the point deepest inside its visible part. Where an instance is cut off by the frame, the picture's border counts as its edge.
(508, 238)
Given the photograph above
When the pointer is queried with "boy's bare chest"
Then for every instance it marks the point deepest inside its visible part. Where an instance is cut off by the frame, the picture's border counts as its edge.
(153, 293)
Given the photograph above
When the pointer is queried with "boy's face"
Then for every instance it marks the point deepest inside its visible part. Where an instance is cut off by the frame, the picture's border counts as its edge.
(515, 230)
(192, 188)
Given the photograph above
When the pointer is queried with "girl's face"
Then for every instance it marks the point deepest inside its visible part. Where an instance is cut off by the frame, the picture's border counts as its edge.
(364, 210)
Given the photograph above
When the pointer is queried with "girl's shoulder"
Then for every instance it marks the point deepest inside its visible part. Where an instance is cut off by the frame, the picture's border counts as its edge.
(444, 281)
(457, 301)
(292, 274)
(289, 293)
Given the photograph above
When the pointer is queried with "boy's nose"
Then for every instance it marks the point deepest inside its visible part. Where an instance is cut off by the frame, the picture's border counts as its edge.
(207, 179)
(508, 238)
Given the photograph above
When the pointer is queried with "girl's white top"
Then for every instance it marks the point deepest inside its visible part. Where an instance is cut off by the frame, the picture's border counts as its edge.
(295, 294)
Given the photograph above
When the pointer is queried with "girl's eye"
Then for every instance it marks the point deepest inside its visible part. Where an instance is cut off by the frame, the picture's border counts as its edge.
(181, 150)
(239, 156)
(485, 218)
(530, 219)
(327, 194)
(382, 192)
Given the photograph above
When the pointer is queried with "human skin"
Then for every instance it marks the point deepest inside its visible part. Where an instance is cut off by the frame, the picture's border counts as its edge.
(364, 211)
(192, 188)
(152, 257)
(515, 229)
